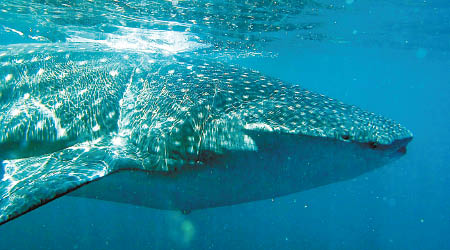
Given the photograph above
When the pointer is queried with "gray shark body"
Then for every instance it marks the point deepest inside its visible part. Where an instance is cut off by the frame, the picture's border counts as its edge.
(172, 132)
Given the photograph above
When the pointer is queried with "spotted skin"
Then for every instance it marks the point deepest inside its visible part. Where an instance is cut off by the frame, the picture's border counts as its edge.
(73, 117)
(59, 97)
(188, 107)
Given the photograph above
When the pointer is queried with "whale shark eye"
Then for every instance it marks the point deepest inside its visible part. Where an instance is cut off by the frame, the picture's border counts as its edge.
(372, 145)
(345, 137)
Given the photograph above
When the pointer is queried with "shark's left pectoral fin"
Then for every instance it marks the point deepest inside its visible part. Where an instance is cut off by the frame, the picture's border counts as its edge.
(31, 182)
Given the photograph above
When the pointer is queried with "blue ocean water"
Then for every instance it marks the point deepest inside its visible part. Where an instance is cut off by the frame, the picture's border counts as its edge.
(389, 57)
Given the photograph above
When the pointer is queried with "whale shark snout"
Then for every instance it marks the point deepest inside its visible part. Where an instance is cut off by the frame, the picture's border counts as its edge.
(401, 144)
(399, 147)
(394, 150)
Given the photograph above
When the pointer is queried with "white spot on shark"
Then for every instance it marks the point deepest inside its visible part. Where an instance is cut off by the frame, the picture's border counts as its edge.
(40, 72)
(118, 141)
(8, 77)
(83, 91)
(114, 73)
(96, 128)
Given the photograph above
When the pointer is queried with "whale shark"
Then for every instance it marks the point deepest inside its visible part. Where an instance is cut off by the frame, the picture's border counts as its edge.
(171, 132)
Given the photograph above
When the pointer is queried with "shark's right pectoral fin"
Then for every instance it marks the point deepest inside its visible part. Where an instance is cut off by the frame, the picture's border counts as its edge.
(31, 182)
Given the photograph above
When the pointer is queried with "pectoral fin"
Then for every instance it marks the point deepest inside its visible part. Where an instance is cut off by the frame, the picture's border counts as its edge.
(32, 182)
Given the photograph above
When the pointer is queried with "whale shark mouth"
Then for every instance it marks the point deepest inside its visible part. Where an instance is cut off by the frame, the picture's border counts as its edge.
(401, 146)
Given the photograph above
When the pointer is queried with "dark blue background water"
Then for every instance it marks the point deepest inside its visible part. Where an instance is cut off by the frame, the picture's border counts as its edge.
(403, 74)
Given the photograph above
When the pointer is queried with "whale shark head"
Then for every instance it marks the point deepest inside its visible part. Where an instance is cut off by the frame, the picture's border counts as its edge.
(192, 110)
